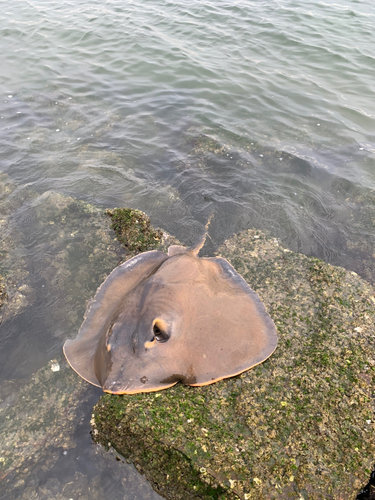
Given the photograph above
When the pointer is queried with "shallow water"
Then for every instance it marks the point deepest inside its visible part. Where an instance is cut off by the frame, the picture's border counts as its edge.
(262, 112)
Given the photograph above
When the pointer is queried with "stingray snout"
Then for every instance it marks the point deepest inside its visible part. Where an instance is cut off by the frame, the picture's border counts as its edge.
(140, 380)
(115, 387)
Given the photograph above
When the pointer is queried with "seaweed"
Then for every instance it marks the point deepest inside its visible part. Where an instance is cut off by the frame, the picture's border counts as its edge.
(134, 230)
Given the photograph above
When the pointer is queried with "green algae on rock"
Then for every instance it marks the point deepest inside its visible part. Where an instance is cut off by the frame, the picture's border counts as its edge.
(133, 229)
(300, 425)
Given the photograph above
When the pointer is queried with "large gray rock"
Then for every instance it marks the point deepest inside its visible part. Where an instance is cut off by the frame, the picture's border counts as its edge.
(300, 425)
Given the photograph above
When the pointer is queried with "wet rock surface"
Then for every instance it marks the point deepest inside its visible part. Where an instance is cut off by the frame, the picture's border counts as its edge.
(58, 250)
(43, 426)
(16, 293)
(61, 249)
(37, 419)
(300, 425)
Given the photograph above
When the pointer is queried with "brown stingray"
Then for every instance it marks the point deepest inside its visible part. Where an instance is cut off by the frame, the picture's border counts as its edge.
(159, 319)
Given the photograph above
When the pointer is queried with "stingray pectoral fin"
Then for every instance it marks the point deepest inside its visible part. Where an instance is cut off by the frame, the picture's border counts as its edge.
(103, 309)
(80, 358)
(236, 280)
(230, 330)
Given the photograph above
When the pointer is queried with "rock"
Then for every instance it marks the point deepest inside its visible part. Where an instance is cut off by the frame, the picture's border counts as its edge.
(300, 425)
(57, 253)
(37, 419)
(133, 229)
(15, 291)
(41, 416)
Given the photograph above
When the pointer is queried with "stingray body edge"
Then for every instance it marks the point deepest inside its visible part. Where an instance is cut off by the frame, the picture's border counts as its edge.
(163, 318)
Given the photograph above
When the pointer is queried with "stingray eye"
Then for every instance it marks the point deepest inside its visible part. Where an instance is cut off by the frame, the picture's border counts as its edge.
(159, 331)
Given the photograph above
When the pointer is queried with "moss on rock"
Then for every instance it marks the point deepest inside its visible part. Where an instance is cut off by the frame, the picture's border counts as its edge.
(133, 229)
(300, 425)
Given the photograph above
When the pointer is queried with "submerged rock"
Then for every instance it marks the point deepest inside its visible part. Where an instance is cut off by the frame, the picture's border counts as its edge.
(42, 423)
(300, 425)
(41, 415)
(15, 290)
(36, 419)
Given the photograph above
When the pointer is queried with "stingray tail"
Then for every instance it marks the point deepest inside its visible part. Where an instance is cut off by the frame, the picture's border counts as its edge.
(197, 247)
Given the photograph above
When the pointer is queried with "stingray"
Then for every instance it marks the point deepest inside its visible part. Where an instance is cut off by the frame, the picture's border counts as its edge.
(163, 318)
